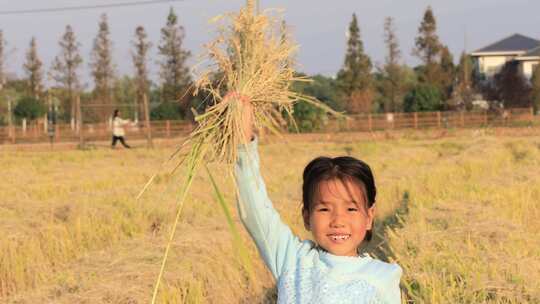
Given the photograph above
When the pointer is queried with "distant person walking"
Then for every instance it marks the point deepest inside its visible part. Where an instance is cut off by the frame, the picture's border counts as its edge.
(118, 129)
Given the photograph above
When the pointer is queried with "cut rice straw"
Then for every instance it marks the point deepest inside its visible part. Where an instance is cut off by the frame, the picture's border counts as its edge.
(251, 61)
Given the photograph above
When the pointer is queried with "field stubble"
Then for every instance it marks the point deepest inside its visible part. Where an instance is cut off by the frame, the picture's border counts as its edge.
(459, 214)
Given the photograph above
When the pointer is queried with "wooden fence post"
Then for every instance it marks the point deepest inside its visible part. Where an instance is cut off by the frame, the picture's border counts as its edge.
(416, 120)
(168, 128)
(462, 118)
(485, 117)
(439, 119)
(370, 123)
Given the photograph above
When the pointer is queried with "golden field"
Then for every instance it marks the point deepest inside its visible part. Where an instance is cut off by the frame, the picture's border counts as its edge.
(458, 213)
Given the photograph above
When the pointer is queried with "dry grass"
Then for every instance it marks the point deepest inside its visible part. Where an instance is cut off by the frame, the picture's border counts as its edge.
(71, 232)
(471, 232)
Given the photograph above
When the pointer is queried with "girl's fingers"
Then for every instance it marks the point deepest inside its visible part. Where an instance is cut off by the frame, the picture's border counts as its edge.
(235, 95)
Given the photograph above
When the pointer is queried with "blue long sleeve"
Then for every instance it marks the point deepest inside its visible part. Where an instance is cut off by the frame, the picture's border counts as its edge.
(273, 238)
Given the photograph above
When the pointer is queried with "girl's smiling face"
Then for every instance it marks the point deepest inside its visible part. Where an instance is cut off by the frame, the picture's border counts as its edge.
(339, 217)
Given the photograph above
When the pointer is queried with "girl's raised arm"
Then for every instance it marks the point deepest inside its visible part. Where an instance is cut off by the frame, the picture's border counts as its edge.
(275, 240)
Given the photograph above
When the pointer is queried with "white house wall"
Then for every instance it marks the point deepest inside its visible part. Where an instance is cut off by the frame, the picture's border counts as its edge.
(527, 68)
(491, 65)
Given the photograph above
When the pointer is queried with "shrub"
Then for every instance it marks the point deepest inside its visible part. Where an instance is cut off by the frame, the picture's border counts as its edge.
(308, 117)
(423, 98)
(167, 111)
(29, 108)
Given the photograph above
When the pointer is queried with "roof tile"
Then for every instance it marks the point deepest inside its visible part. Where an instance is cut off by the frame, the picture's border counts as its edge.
(515, 42)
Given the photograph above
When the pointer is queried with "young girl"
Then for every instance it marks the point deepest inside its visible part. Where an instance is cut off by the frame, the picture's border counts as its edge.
(338, 208)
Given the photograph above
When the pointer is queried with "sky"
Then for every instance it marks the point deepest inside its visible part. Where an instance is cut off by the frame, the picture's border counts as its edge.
(318, 26)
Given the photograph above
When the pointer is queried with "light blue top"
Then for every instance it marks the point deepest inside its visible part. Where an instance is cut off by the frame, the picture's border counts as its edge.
(304, 273)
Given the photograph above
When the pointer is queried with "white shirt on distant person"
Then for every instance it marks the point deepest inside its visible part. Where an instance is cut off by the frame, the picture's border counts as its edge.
(118, 126)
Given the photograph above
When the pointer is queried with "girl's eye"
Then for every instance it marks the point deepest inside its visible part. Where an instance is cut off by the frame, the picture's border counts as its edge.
(353, 209)
(322, 209)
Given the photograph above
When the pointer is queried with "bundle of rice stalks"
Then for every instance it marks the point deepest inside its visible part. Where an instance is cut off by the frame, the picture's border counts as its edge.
(250, 64)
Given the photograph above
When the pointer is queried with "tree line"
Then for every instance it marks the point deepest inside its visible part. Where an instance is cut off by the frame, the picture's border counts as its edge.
(169, 97)
(436, 84)
(360, 86)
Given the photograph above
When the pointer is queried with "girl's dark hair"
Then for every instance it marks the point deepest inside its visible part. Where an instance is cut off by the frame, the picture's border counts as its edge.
(115, 113)
(344, 168)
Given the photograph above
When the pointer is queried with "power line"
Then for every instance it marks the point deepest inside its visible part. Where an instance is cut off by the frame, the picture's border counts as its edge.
(84, 7)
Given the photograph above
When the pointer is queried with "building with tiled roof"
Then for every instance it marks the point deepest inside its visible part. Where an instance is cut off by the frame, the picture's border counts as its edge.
(517, 48)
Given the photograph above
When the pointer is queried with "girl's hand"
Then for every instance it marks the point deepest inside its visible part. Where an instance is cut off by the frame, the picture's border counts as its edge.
(247, 114)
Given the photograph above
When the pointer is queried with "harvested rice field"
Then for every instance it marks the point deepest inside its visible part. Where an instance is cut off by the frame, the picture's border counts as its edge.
(458, 213)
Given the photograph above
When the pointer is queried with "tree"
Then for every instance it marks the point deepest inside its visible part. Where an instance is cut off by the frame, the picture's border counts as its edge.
(102, 66)
(463, 93)
(29, 108)
(509, 87)
(2, 67)
(125, 95)
(7, 95)
(173, 70)
(3, 80)
(308, 117)
(32, 67)
(423, 97)
(139, 56)
(447, 72)
(321, 87)
(354, 78)
(167, 111)
(66, 65)
(18, 85)
(428, 47)
(392, 82)
(427, 42)
(139, 61)
(535, 91)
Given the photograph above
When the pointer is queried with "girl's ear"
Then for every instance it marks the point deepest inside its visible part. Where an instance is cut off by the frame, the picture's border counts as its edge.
(370, 217)
(305, 215)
